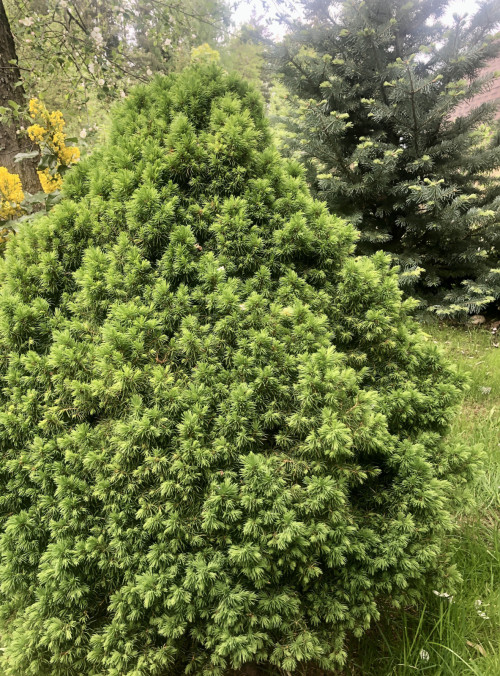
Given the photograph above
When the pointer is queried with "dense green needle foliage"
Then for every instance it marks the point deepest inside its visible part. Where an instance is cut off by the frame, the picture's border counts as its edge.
(388, 146)
(221, 434)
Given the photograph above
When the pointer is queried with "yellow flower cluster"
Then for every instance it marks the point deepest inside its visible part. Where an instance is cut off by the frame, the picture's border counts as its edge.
(48, 130)
(69, 155)
(37, 133)
(48, 182)
(11, 195)
(37, 109)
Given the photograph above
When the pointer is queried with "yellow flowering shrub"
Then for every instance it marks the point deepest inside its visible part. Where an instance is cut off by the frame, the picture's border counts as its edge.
(48, 131)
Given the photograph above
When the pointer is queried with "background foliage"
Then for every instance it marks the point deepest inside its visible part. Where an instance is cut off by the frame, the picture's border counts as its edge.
(75, 54)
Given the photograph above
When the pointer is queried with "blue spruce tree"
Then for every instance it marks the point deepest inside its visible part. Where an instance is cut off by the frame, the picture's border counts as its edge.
(387, 143)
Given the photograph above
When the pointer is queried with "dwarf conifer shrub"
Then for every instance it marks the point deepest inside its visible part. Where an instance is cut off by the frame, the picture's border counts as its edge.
(221, 433)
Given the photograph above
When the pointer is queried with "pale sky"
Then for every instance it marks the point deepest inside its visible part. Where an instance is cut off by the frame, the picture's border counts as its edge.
(247, 8)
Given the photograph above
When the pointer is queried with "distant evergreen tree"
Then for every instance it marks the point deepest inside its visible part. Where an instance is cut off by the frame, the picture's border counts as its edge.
(222, 435)
(384, 143)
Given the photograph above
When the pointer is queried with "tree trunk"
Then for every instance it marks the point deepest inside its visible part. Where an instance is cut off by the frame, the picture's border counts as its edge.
(10, 142)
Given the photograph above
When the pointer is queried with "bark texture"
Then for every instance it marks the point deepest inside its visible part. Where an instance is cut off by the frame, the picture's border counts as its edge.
(10, 142)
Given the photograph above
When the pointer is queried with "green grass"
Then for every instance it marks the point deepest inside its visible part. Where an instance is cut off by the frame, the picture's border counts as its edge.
(457, 640)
